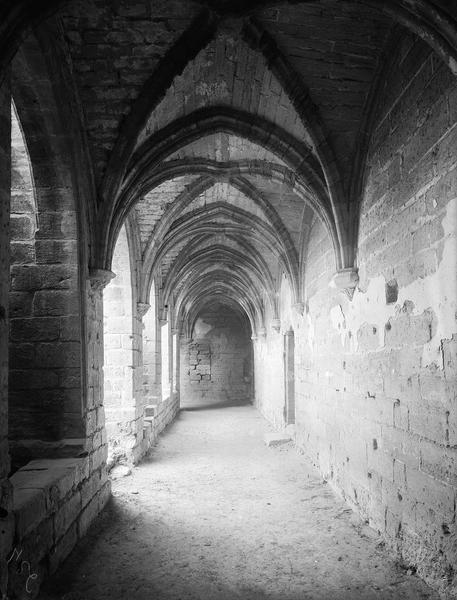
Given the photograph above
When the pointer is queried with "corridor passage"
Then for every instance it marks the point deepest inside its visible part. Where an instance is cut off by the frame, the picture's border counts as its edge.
(215, 514)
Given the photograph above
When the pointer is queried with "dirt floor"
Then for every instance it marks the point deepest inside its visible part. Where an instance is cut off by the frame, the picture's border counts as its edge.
(214, 514)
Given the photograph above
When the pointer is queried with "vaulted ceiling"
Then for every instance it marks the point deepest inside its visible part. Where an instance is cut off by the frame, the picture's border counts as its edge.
(222, 129)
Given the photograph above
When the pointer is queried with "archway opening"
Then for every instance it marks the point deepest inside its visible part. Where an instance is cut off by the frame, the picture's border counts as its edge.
(216, 362)
(23, 413)
(118, 370)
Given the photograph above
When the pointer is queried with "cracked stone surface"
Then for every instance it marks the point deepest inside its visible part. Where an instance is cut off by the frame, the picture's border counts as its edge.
(214, 513)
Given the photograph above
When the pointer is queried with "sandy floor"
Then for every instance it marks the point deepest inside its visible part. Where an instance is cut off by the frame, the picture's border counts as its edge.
(214, 514)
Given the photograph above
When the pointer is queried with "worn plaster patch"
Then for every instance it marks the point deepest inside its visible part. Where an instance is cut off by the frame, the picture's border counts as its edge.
(439, 291)
(338, 321)
(436, 292)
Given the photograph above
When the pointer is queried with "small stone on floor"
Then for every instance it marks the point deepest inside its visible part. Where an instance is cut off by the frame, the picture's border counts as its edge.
(120, 471)
(276, 439)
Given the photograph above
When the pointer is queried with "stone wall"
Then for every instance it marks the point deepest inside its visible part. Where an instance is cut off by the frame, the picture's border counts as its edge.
(45, 386)
(376, 374)
(54, 503)
(157, 418)
(6, 529)
(55, 500)
(216, 362)
(55, 349)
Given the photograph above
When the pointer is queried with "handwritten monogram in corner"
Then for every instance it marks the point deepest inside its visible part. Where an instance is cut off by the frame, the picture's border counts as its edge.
(23, 567)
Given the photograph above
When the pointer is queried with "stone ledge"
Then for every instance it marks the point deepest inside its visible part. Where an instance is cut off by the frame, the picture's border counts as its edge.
(54, 502)
(39, 487)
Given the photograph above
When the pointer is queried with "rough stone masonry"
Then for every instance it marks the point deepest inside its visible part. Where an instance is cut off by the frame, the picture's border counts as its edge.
(186, 187)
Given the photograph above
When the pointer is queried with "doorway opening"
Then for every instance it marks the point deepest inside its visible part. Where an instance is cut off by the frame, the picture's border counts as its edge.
(289, 377)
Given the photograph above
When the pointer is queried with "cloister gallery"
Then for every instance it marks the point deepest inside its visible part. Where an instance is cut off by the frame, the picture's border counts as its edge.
(217, 201)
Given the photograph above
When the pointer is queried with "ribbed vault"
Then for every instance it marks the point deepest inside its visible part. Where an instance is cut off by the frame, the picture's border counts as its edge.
(233, 132)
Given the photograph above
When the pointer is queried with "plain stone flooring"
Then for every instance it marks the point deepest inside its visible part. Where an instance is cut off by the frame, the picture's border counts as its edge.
(214, 514)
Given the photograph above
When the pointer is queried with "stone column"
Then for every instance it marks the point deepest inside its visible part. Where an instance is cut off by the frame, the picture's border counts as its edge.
(96, 443)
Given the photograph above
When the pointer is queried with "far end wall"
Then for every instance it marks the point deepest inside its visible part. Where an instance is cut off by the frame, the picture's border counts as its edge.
(216, 363)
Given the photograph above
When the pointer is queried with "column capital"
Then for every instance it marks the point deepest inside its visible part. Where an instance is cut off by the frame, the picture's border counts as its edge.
(276, 324)
(299, 307)
(99, 278)
(346, 280)
(142, 308)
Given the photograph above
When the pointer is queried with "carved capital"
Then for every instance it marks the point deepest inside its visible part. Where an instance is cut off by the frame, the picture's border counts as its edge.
(346, 281)
(142, 308)
(262, 332)
(99, 278)
(276, 324)
(299, 307)
(163, 315)
(253, 337)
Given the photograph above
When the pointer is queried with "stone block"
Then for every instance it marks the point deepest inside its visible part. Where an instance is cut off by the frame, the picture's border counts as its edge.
(22, 253)
(87, 516)
(450, 358)
(150, 410)
(69, 379)
(30, 509)
(428, 422)
(38, 542)
(22, 227)
(98, 458)
(70, 328)
(431, 492)
(67, 514)
(20, 304)
(35, 329)
(105, 494)
(400, 415)
(57, 355)
(90, 487)
(33, 379)
(56, 477)
(38, 277)
(63, 548)
(55, 303)
(276, 439)
(439, 462)
(55, 225)
(56, 251)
